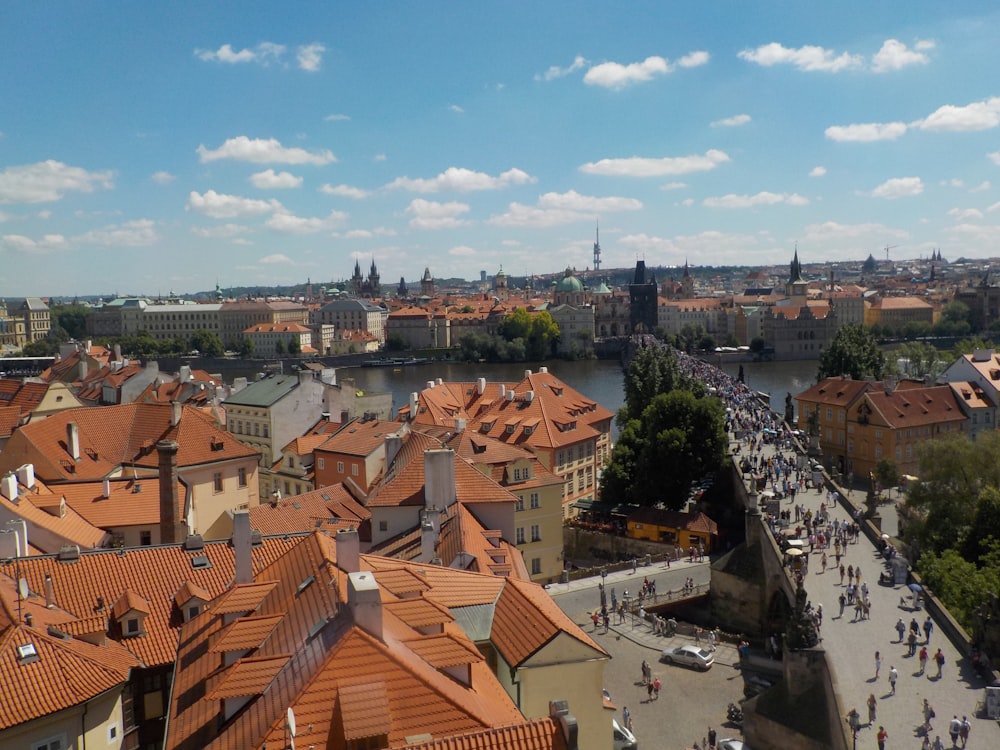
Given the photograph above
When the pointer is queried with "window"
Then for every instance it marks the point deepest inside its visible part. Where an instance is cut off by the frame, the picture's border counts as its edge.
(132, 626)
(145, 538)
(322, 464)
(354, 470)
(579, 480)
(829, 414)
(536, 533)
(517, 475)
(193, 611)
(520, 535)
(340, 467)
(242, 473)
(112, 732)
(53, 743)
(534, 500)
(265, 430)
(217, 481)
(519, 505)
(383, 525)
(878, 451)
(536, 566)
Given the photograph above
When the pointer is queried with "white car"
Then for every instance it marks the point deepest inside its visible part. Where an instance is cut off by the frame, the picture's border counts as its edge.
(688, 656)
(624, 739)
(732, 745)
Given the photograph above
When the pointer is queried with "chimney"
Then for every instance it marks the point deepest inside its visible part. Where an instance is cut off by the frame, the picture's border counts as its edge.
(184, 375)
(172, 526)
(413, 405)
(118, 352)
(50, 592)
(365, 602)
(8, 486)
(348, 548)
(559, 712)
(242, 547)
(73, 440)
(543, 369)
(503, 391)
(29, 620)
(175, 413)
(480, 385)
(106, 488)
(429, 528)
(26, 475)
(439, 478)
(14, 539)
(305, 376)
(527, 373)
(393, 443)
(82, 369)
(459, 425)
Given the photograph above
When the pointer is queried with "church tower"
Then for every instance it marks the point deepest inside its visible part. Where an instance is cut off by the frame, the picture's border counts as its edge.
(687, 283)
(427, 283)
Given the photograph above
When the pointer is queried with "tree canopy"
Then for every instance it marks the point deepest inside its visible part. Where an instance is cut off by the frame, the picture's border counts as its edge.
(854, 352)
(652, 371)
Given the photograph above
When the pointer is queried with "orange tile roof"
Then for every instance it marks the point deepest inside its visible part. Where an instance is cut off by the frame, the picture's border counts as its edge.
(132, 502)
(445, 650)
(418, 612)
(359, 438)
(129, 601)
(364, 710)
(538, 734)
(248, 677)
(67, 526)
(244, 597)
(245, 633)
(330, 508)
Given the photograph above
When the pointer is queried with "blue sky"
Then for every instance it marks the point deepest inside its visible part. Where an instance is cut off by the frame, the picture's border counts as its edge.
(156, 147)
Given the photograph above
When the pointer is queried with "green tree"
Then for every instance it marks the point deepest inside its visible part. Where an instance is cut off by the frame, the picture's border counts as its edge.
(961, 584)
(396, 343)
(918, 359)
(652, 371)
(542, 336)
(294, 345)
(517, 325)
(887, 473)
(245, 347)
(41, 348)
(758, 344)
(853, 352)
(72, 319)
(207, 343)
(968, 346)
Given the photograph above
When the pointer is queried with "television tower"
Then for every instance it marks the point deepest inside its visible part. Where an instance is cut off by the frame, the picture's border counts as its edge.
(597, 248)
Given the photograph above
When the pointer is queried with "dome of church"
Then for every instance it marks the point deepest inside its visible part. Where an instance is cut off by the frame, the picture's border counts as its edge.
(569, 283)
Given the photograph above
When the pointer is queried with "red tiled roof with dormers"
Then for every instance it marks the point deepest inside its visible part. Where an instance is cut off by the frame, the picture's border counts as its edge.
(917, 407)
(112, 437)
(43, 508)
(359, 438)
(329, 508)
(132, 502)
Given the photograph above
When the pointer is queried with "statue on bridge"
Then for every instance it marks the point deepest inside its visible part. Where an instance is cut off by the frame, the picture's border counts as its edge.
(801, 630)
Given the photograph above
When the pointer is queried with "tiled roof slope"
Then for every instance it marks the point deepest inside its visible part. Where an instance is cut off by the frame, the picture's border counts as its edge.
(115, 436)
(914, 408)
(537, 734)
(153, 574)
(41, 508)
(320, 508)
(132, 502)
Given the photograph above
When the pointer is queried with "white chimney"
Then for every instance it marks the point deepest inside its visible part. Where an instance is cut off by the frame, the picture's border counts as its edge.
(184, 374)
(529, 396)
(413, 404)
(439, 478)
(26, 475)
(348, 546)
(106, 489)
(480, 385)
(503, 390)
(8, 486)
(543, 369)
(242, 547)
(73, 440)
(527, 373)
(175, 413)
(82, 369)
(429, 384)
(459, 425)
(510, 395)
(439, 381)
(365, 602)
(393, 442)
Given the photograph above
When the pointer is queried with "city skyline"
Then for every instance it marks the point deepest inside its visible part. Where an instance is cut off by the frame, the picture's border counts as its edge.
(149, 149)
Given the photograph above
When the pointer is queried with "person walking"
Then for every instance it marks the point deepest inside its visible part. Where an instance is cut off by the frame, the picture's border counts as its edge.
(954, 729)
(627, 718)
(649, 692)
(841, 571)
(928, 627)
(872, 708)
(656, 688)
(881, 737)
(911, 644)
(878, 664)
(928, 712)
(939, 660)
(843, 602)
(644, 667)
(711, 738)
(893, 676)
(964, 731)
(937, 744)
(923, 659)
(901, 629)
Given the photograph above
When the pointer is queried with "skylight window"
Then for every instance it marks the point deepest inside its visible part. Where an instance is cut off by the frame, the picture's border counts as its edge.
(201, 562)
(26, 652)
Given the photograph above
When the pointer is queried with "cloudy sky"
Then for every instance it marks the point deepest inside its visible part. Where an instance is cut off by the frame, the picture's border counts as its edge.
(150, 147)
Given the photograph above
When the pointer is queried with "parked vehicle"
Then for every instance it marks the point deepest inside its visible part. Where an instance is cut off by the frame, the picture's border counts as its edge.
(732, 744)
(624, 739)
(734, 715)
(688, 656)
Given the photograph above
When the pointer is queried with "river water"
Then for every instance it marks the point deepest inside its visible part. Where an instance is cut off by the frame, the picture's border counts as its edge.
(601, 380)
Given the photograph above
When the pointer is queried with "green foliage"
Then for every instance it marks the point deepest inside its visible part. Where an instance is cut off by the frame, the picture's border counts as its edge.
(968, 346)
(396, 343)
(853, 352)
(279, 347)
(294, 345)
(678, 438)
(887, 472)
(758, 344)
(916, 329)
(207, 343)
(921, 359)
(72, 319)
(245, 347)
(960, 584)
(538, 333)
(42, 348)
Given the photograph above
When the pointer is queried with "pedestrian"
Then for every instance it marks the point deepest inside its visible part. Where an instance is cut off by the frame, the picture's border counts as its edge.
(881, 737)
(843, 601)
(939, 660)
(928, 627)
(893, 676)
(645, 666)
(711, 640)
(954, 729)
(841, 566)
(878, 664)
(911, 644)
(923, 659)
(627, 718)
(656, 688)
(823, 562)
(964, 731)
(901, 629)
(926, 744)
(596, 618)
(938, 744)
(929, 714)
(872, 708)
(850, 574)
(649, 692)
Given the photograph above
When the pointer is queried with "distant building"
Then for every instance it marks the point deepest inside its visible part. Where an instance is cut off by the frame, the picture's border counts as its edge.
(642, 300)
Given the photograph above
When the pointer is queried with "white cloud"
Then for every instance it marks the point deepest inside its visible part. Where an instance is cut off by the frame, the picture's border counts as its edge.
(894, 55)
(982, 115)
(49, 181)
(223, 206)
(336, 118)
(162, 178)
(984, 185)
(369, 233)
(520, 215)
(731, 122)
(346, 191)
(832, 230)
(283, 221)
(817, 171)
(276, 258)
(637, 166)
(763, 198)
(222, 231)
(992, 209)
(687, 202)
(612, 75)
(808, 58)
(21, 244)
(379, 157)
(271, 180)
(866, 132)
(137, 233)
(899, 187)
(694, 59)
(953, 182)
(555, 71)
(433, 215)
(462, 251)
(264, 53)
(263, 151)
(994, 156)
(455, 108)
(965, 214)
(310, 56)
(576, 202)
(461, 180)
(673, 186)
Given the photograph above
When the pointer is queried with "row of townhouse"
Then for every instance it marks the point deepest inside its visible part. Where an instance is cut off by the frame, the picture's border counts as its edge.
(23, 321)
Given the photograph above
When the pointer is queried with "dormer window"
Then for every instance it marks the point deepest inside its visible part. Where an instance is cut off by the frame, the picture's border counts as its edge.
(132, 627)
